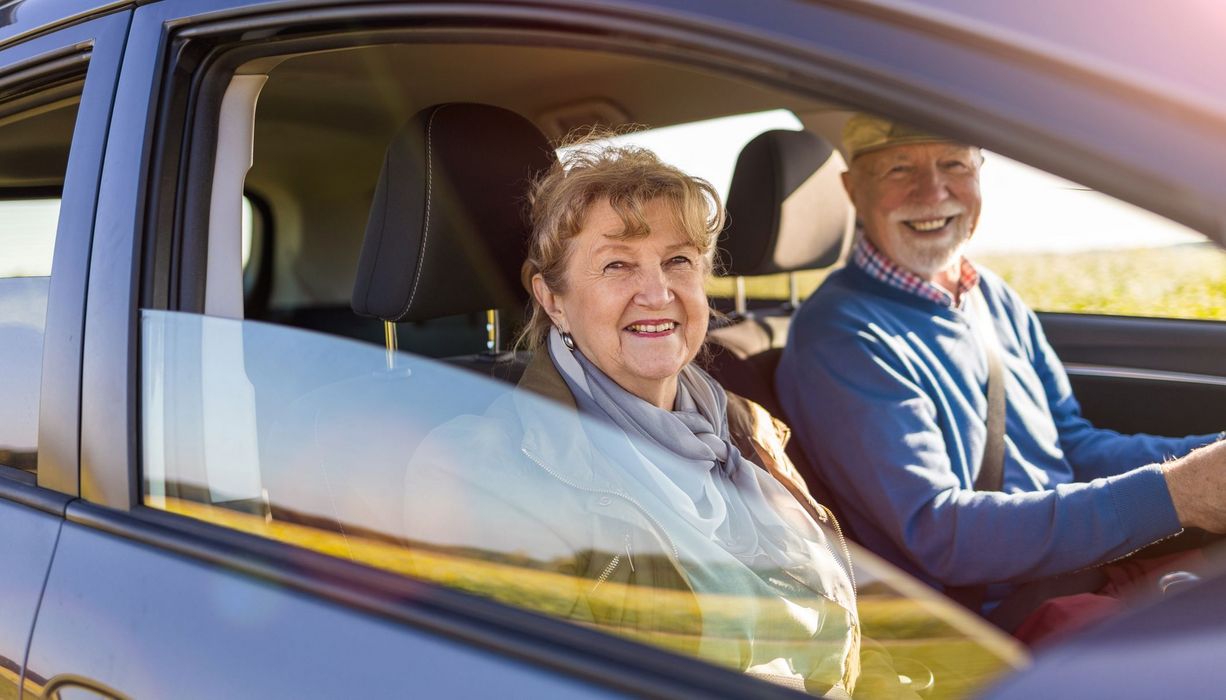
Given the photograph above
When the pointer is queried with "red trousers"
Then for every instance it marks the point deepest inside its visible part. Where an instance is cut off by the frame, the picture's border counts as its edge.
(1126, 580)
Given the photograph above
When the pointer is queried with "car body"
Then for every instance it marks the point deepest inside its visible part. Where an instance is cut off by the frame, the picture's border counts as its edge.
(119, 585)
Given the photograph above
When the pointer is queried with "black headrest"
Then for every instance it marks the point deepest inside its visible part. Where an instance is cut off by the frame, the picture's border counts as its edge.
(446, 233)
(787, 209)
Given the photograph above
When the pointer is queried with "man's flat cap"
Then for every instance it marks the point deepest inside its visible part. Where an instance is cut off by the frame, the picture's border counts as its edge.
(864, 133)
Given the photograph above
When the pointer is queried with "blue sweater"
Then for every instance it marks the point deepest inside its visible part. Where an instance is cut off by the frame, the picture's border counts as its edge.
(887, 393)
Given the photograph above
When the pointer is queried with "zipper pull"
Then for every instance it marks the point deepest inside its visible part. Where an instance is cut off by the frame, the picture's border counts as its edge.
(629, 558)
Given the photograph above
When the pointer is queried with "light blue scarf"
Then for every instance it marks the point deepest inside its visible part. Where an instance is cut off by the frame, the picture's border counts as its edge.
(702, 476)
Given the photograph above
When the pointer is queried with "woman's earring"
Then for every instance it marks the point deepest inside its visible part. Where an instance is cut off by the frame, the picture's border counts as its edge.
(568, 340)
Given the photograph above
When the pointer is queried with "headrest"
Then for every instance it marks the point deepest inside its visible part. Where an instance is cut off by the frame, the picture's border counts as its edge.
(787, 209)
(446, 233)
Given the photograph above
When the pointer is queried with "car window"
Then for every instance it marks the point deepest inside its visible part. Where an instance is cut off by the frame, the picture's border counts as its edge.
(34, 142)
(440, 474)
(294, 422)
(1067, 248)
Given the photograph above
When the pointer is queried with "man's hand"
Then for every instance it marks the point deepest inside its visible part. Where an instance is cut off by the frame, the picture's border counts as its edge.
(1197, 483)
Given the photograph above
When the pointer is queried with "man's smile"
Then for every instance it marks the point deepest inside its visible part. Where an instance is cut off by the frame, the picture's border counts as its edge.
(929, 225)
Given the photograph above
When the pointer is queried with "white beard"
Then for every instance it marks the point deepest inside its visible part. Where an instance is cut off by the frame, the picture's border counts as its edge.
(927, 258)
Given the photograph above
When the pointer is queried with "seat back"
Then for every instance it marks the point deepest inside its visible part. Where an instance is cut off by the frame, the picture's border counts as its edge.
(445, 237)
(787, 212)
(446, 233)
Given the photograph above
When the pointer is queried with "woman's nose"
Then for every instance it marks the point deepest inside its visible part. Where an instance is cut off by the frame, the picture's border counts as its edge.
(654, 290)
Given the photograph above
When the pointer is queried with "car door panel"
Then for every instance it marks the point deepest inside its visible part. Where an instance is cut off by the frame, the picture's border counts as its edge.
(25, 554)
(1160, 376)
(122, 615)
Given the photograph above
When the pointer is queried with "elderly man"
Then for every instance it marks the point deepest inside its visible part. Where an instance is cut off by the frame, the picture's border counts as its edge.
(885, 379)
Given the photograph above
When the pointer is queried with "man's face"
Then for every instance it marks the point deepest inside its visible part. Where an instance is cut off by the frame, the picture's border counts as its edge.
(918, 203)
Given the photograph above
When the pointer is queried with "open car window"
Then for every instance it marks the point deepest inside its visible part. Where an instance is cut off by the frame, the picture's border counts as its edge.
(1066, 248)
(407, 464)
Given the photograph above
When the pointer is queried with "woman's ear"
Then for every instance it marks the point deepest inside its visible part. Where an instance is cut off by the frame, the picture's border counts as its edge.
(550, 302)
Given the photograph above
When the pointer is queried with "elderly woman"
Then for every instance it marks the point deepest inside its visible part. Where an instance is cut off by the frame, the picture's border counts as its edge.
(667, 502)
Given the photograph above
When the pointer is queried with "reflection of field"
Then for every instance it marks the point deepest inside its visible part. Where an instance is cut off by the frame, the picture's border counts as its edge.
(662, 617)
(1187, 281)
(909, 631)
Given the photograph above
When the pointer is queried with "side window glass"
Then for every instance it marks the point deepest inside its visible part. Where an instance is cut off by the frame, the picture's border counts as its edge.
(1067, 248)
(440, 474)
(446, 471)
(35, 135)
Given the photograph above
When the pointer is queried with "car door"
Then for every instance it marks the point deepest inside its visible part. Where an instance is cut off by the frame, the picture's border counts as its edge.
(142, 601)
(55, 93)
(1138, 374)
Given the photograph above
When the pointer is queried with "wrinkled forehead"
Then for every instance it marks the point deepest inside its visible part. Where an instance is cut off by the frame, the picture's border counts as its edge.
(916, 152)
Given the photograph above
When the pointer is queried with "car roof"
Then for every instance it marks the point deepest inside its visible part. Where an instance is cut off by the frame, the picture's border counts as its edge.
(1176, 50)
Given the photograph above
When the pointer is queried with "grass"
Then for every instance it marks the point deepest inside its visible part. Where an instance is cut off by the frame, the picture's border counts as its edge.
(1187, 281)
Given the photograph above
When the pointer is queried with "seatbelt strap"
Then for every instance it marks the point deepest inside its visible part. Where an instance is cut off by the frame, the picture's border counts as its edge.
(992, 467)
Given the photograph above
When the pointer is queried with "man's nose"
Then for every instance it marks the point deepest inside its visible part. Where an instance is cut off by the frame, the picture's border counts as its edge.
(931, 187)
(654, 289)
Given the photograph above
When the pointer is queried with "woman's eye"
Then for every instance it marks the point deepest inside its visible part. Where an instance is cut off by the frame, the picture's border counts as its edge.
(680, 261)
(614, 266)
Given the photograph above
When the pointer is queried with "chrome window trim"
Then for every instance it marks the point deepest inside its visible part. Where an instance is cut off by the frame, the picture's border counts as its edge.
(1075, 369)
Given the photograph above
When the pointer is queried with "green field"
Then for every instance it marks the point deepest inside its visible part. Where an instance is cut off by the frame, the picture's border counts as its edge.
(1187, 281)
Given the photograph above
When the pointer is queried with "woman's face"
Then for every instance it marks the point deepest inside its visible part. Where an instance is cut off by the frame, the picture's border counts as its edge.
(636, 307)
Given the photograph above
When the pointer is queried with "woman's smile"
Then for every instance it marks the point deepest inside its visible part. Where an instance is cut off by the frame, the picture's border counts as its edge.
(654, 328)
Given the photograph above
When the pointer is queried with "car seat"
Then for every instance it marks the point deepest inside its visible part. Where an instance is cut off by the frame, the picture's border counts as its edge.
(787, 212)
(446, 233)
(445, 237)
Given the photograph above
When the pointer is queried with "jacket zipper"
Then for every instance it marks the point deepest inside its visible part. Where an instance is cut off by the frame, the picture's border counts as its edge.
(851, 574)
(623, 496)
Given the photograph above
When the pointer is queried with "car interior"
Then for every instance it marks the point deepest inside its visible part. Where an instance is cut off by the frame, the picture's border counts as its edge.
(338, 244)
(403, 226)
(344, 243)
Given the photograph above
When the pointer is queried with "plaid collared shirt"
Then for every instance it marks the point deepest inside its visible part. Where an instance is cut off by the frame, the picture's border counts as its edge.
(865, 256)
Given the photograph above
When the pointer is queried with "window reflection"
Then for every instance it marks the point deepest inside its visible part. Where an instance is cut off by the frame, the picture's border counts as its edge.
(423, 469)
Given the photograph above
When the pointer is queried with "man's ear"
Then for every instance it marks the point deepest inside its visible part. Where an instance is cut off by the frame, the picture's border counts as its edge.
(550, 302)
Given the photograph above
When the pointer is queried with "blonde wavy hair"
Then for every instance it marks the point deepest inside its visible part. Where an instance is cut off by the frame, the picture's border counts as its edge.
(628, 177)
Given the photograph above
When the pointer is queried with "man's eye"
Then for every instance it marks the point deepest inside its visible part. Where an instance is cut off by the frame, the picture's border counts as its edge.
(957, 166)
